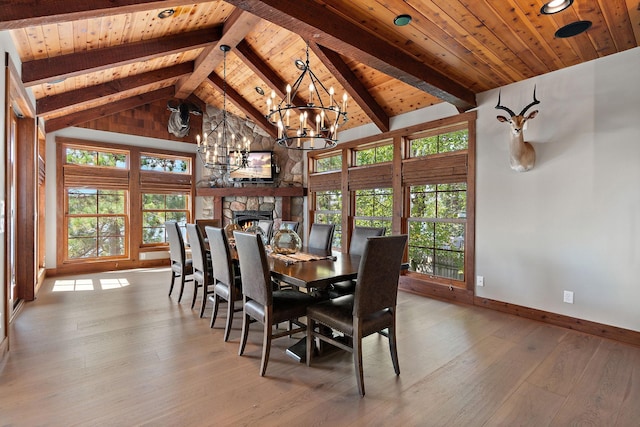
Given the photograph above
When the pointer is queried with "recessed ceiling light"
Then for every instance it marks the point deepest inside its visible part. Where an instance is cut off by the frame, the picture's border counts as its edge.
(166, 13)
(555, 6)
(573, 29)
(259, 90)
(401, 20)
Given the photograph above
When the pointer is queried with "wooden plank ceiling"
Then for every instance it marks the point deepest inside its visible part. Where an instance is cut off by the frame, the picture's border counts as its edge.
(83, 60)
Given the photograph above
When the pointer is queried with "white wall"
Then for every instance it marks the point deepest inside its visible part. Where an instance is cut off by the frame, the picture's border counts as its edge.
(573, 222)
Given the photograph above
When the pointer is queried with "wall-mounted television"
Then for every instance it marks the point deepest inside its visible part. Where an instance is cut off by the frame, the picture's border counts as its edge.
(261, 167)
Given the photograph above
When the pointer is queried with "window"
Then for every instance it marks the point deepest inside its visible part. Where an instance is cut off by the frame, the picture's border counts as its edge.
(173, 164)
(158, 208)
(370, 156)
(329, 211)
(327, 164)
(117, 199)
(437, 230)
(374, 208)
(96, 223)
(439, 143)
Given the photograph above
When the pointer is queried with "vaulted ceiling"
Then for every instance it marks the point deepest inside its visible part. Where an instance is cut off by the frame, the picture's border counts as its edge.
(88, 59)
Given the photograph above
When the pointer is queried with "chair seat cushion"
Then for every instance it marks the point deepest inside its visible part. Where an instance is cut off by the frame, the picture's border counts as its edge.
(337, 314)
(287, 304)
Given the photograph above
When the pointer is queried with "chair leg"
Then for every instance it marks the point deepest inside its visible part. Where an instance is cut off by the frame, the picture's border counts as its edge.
(182, 280)
(266, 347)
(245, 333)
(205, 297)
(214, 312)
(230, 311)
(173, 281)
(357, 358)
(195, 293)
(393, 347)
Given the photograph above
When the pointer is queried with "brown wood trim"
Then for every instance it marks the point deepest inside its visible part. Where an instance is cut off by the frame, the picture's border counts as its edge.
(252, 191)
(605, 331)
(425, 288)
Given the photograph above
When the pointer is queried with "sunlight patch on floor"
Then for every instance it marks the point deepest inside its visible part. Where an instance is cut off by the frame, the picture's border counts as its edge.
(114, 283)
(77, 285)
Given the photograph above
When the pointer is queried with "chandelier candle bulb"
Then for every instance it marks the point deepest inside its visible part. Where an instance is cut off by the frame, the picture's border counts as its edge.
(288, 99)
(318, 124)
(331, 92)
(344, 102)
(198, 140)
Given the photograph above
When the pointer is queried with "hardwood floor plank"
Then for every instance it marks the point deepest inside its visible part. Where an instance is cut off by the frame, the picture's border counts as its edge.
(122, 352)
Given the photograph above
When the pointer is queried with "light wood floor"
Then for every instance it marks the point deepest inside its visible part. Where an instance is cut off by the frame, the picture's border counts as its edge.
(118, 352)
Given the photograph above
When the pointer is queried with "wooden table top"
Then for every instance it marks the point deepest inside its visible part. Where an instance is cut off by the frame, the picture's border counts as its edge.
(317, 274)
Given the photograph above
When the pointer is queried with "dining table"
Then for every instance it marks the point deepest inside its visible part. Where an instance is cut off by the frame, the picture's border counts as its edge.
(314, 270)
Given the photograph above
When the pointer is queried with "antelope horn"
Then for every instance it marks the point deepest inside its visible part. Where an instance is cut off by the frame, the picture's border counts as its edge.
(535, 101)
(502, 107)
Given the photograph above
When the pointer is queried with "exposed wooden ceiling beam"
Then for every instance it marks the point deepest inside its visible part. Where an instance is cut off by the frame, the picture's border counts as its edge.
(234, 30)
(242, 104)
(316, 23)
(29, 13)
(252, 60)
(80, 97)
(107, 109)
(48, 69)
(352, 85)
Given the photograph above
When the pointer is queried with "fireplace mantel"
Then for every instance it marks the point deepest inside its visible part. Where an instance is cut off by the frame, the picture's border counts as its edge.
(251, 191)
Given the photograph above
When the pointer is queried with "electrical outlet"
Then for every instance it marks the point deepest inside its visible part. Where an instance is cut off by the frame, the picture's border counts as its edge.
(479, 280)
(568, 297)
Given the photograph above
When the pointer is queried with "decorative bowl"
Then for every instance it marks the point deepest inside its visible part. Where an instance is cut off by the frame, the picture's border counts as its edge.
(286, 241)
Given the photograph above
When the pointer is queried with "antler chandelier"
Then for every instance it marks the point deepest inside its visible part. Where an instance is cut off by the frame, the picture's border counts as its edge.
(221, 149)
(307, 124)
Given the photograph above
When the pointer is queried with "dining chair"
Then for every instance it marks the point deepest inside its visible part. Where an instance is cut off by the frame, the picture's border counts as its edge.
(202, 269)
(321, 236)
(180, 266)
(290, 225)
(262, 303)
(266, 225)
(371, 309)
(228, 285)
(357, 243)
(207, 222)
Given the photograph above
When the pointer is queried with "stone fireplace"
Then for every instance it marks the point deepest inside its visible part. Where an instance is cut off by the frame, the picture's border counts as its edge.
(244, 217)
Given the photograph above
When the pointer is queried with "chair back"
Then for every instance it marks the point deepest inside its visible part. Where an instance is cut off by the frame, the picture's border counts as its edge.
(321, 236)
(177, 251)
(359, 238)
(266, 225)
(202, 223)
(378, 274)
(290, 225)
(220, 255)
(198, 249)
(256, 275)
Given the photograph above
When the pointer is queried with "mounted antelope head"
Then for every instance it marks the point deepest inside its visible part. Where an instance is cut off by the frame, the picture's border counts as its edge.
(522, 156)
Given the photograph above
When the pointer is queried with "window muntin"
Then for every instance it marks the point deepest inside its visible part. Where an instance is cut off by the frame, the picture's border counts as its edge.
(89, 157)
(374, 208)
(437, 229)
(96, 223)
(328, 210)
(439, 143)
(327, 164)
(370, 156)
(161, 163)
(158, 208)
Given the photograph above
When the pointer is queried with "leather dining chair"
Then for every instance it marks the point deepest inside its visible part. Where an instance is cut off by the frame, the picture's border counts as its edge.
(260, 301)
(358, 241)
(180, 266)
(266, 225)
(371, 309)
(321, 236)
(290, 225)
(202, 269)
(228, 285)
